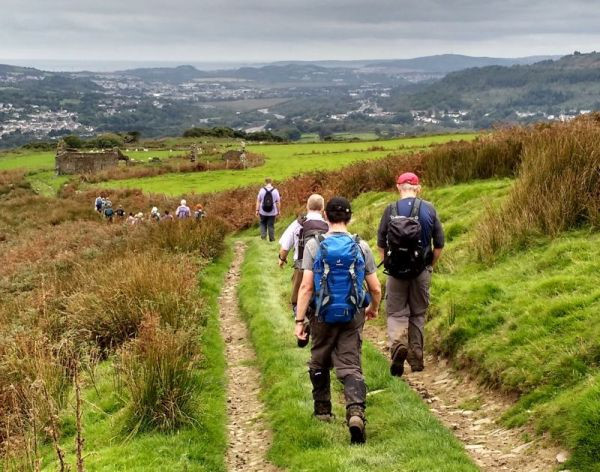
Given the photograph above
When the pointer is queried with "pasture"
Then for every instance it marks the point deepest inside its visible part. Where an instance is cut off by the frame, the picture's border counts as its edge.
(282, 161)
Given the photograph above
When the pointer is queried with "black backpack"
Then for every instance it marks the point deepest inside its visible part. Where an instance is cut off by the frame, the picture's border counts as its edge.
(404, 257)
(267, 203)
(309, 229)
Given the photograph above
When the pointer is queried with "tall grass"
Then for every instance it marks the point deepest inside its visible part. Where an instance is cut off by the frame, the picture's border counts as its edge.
(188, 236)
(158, 371)
(109, 303)
(69, 278)
(493, 155)
(558, 188)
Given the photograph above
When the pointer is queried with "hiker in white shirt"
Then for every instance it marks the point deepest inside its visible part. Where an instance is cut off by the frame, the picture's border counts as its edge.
(297, 234)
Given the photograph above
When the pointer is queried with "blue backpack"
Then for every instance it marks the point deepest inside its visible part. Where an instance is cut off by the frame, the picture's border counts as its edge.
(339, 275)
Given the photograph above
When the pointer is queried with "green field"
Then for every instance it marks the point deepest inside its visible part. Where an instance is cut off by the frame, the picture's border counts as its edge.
(282, 161)
(27, 160)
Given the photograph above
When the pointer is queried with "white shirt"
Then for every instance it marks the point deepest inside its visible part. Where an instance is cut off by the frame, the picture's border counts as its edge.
(291, 236)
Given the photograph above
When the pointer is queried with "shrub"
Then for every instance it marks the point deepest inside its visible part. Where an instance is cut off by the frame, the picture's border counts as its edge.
(157, 372)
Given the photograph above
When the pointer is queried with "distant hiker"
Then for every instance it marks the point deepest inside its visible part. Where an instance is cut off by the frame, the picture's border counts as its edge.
(109, 213)
(120, 212)
(183, 211)
(99, 203)
(167, 216)
(410, 241)
(297, 235)
(336, 267)
(199, 213)
(139, 218)
(268, 206)
(131, 220)
(155, 214)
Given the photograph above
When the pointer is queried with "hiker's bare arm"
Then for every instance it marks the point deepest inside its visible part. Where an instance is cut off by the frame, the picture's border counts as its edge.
(381, 252)
(375, 290)
(304, 295)
(283, 253)
(437, 253)
(278, 208)
(257, 205)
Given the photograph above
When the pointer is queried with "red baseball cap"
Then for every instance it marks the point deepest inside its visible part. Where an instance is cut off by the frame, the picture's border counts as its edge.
(408, 178)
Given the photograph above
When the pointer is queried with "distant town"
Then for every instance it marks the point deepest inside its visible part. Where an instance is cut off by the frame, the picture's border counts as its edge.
(294, 100)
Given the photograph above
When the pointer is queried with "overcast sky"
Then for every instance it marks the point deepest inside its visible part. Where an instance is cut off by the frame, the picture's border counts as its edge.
(265, 30)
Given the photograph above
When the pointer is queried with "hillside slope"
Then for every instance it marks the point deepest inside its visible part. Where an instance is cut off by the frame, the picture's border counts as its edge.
(496, 92)
(526, 324)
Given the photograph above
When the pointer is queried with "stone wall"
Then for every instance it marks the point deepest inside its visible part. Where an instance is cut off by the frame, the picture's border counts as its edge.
(71, 161)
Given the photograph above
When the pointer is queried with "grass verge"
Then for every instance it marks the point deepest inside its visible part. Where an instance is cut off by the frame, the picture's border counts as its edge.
(402, 433)
(525, 323)
(200, 447)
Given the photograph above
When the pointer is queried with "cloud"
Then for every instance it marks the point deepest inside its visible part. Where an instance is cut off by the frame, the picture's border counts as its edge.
(245, 30)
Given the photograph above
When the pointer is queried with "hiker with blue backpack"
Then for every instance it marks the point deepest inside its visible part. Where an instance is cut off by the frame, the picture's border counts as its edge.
(268, 207)
(410, 240)
(337, 266)
(108, 211)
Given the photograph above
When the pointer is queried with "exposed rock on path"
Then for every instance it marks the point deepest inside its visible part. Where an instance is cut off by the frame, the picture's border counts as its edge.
(249, 436)
(472, 413)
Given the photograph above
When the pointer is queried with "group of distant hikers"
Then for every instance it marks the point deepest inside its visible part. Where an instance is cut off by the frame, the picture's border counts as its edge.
(335, 287)
(104, 207)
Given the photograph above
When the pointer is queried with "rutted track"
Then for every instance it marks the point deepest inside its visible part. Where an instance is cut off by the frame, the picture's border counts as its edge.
(492, 447)
(249, 436)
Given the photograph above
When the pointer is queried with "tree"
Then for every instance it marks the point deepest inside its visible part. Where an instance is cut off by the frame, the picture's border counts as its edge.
(73, 141)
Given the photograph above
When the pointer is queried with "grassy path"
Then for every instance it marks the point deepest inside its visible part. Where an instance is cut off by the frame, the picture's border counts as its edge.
(402, 433)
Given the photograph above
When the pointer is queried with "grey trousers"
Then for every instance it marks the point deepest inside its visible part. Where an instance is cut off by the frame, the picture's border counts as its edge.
(267, 223)
(406, 305)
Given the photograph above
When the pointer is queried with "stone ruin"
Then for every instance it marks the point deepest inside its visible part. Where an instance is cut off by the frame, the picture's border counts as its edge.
(75, 161)
(233, 156)
(236, 156)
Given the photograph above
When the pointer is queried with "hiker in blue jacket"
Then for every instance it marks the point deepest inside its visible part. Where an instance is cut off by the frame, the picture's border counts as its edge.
(410, 241)
(336, 267)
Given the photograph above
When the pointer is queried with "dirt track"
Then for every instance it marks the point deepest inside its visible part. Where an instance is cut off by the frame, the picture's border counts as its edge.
(492, 447)
(249, 436)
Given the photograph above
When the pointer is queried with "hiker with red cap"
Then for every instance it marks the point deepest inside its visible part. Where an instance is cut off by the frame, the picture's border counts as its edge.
(410, 240)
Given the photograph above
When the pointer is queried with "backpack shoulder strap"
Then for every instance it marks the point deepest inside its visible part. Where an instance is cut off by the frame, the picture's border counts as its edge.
(416, 209)
(393, 209)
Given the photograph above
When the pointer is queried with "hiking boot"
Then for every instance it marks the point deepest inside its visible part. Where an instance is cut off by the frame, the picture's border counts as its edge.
(356, 425)
(416, 364)
(398, 358)
(322, 411)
